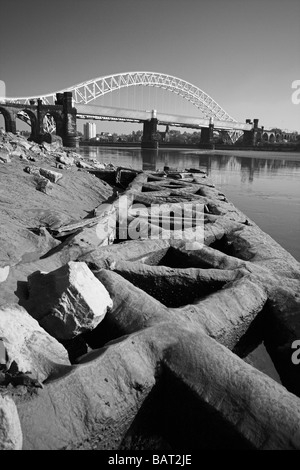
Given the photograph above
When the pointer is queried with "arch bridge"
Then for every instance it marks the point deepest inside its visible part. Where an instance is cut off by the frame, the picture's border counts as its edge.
(59, 111)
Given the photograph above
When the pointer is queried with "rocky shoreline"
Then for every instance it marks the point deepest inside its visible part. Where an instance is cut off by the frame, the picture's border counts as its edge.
(138, 344)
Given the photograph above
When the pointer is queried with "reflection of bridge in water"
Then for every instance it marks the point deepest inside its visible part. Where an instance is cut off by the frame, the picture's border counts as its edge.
(59, 112)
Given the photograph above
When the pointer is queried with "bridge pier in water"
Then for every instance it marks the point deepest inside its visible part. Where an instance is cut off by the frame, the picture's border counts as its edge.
(250, 137)
(69, 137)
(207, 137)
(150, 138)
(66, 127)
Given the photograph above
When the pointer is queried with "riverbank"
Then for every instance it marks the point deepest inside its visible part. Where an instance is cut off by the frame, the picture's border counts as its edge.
(266, 154)
(140, 343)
(222, 148)
(266, 189)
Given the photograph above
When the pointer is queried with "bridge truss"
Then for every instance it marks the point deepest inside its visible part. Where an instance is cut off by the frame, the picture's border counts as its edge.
(88, 91)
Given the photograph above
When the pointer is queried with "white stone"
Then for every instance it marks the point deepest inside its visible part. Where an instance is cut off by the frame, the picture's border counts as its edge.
(28, 345)
(68, 301)
(4, 158)
(4, 272)
(10, 428)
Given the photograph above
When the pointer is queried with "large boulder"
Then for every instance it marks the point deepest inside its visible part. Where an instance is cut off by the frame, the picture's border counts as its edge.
(68, 301)
(28, 346)
(10, 428)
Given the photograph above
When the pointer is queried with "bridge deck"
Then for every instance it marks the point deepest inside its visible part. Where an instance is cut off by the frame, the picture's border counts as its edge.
(87, 111)
(132, 115)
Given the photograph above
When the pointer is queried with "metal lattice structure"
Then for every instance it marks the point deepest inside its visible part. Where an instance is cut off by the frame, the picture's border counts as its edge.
(90, 90)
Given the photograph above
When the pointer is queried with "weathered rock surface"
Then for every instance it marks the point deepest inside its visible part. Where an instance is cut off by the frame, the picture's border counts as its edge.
(10, 428)
(174, 287)
(68, 301)
(174, 375)
(28, 345)
(224, 315)
(21, 204)
(143, 251)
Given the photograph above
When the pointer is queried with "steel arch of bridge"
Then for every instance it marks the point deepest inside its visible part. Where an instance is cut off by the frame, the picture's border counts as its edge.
(88, 91)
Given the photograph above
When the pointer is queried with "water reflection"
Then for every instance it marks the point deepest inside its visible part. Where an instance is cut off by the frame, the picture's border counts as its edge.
(266, 189)
(149, 159)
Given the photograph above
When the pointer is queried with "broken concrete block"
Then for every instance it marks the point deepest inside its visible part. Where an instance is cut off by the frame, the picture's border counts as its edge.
(44, 185)
(52, 176)
(35, 148)
(68, 301)
(84, 165)
(28, 346)
(65, 160)
(10, 428)
(96, 164)
(32, 170)
(52, 142)
(23, 143)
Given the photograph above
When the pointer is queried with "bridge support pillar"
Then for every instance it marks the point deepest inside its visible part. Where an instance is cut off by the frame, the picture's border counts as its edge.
(11, 124)
(10, 119)
(37, 136)
(207, 137)
(167, 134)
(69, 130)
(250, 137)
(150, 139)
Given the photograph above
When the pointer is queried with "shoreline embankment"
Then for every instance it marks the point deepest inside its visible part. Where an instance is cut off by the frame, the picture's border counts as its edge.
(142, 343)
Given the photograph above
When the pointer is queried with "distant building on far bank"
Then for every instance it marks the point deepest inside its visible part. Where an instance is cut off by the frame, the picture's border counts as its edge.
(89, 130)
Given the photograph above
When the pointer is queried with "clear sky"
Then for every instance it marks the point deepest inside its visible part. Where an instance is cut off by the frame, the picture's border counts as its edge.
(244, 54)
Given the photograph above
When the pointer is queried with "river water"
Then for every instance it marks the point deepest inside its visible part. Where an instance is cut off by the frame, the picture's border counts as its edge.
(263, 185)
